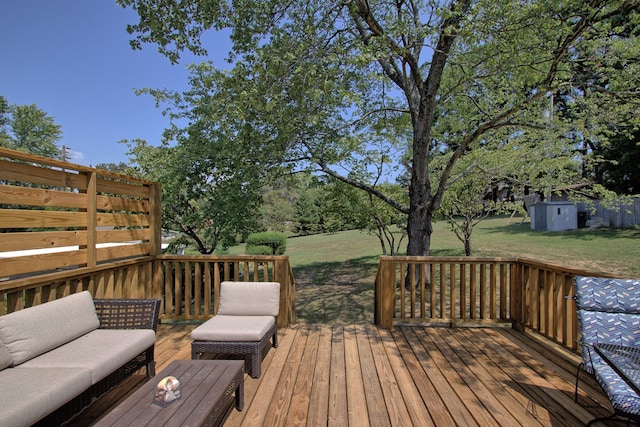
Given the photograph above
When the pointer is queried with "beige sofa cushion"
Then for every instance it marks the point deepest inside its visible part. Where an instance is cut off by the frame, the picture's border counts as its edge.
(35, 330)
(249, 298)
(233, 328)
(27, 395)
(101, 351)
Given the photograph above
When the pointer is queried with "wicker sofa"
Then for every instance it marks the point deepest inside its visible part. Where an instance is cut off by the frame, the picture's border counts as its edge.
(58, 357)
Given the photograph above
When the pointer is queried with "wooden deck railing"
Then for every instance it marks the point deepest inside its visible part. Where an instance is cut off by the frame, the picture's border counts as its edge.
(464, 291)
(445, 290)
(543, 294)
(191, 284)
(121, 279)
(65, 228)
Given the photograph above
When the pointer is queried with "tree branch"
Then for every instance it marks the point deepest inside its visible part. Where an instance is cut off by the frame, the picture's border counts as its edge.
(362, 186)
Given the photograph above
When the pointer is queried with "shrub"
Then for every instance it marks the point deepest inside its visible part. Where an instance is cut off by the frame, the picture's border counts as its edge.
(266, 243)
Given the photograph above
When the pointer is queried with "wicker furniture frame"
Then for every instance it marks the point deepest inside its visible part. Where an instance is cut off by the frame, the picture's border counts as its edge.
(256, 351)
(114, 314)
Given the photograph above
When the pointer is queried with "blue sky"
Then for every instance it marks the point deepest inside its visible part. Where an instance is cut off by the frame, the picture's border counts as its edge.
(72, 59)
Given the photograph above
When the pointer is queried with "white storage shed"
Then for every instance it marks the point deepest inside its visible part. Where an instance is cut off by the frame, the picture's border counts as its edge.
(553, 216)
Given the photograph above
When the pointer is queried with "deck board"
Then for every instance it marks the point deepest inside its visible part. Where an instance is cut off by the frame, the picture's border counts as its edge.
(513, 398)
(377, 414)
(395, 404)
(337, 381)
(359, 375)
(356, 397)
(300, 401)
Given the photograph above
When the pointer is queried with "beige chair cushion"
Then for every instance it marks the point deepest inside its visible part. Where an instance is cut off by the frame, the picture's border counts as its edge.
(233, 328)
(249, 298)
(32, 331)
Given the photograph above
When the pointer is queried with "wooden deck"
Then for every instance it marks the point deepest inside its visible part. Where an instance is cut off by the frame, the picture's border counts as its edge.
(360, 375)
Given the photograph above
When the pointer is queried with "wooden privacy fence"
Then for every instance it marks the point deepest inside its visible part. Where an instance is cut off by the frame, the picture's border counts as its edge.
(472, 291)
(55, 215)
(624, 213)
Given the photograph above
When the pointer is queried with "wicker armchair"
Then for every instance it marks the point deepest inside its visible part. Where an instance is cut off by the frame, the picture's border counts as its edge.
(245, 325)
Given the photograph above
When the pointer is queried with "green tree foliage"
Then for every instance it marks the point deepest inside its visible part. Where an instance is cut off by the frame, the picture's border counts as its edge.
(476, 191)
(506, 167)
(595, 120)
(620, 169)
(28, 128)
(277, 211)
(5, 119)
(210, 201)
(308, 208)
(344, 87)
(121, 168)
(319, 208)
(361, 210)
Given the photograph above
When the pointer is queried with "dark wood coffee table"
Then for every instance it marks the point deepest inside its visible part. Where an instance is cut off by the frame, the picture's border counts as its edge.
(209, 389)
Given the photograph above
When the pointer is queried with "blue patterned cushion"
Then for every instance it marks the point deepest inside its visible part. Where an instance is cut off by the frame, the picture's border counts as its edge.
(610, 295)
(612, 328)
(622, 397)
(609, 312)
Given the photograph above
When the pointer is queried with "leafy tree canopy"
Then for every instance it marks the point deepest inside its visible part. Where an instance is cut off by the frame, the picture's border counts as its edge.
(211, 201)
(28, 128)
(350, 86)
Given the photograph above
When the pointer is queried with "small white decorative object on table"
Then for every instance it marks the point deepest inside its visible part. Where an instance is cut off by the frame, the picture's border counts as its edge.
(168, 390)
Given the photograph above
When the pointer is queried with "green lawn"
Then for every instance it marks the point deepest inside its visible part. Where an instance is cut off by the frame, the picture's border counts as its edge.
(335, 272)
(612, 250)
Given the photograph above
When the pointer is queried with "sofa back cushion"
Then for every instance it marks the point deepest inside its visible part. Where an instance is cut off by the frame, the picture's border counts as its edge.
(35, 330)
(5, 356)
(249, 298)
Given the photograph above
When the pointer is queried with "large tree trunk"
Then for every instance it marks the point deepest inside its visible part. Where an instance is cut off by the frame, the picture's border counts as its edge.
(421, 206)
(419, 231)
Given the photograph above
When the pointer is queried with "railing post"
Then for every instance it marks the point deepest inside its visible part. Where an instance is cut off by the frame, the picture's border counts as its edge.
(385, 293)
(92, 219)
(517, 295)
(155, 220)
(281, 274)
(157, 283)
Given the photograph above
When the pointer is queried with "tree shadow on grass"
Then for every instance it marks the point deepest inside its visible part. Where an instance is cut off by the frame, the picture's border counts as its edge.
(336, 293)
(340, 292)
(580, 233)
